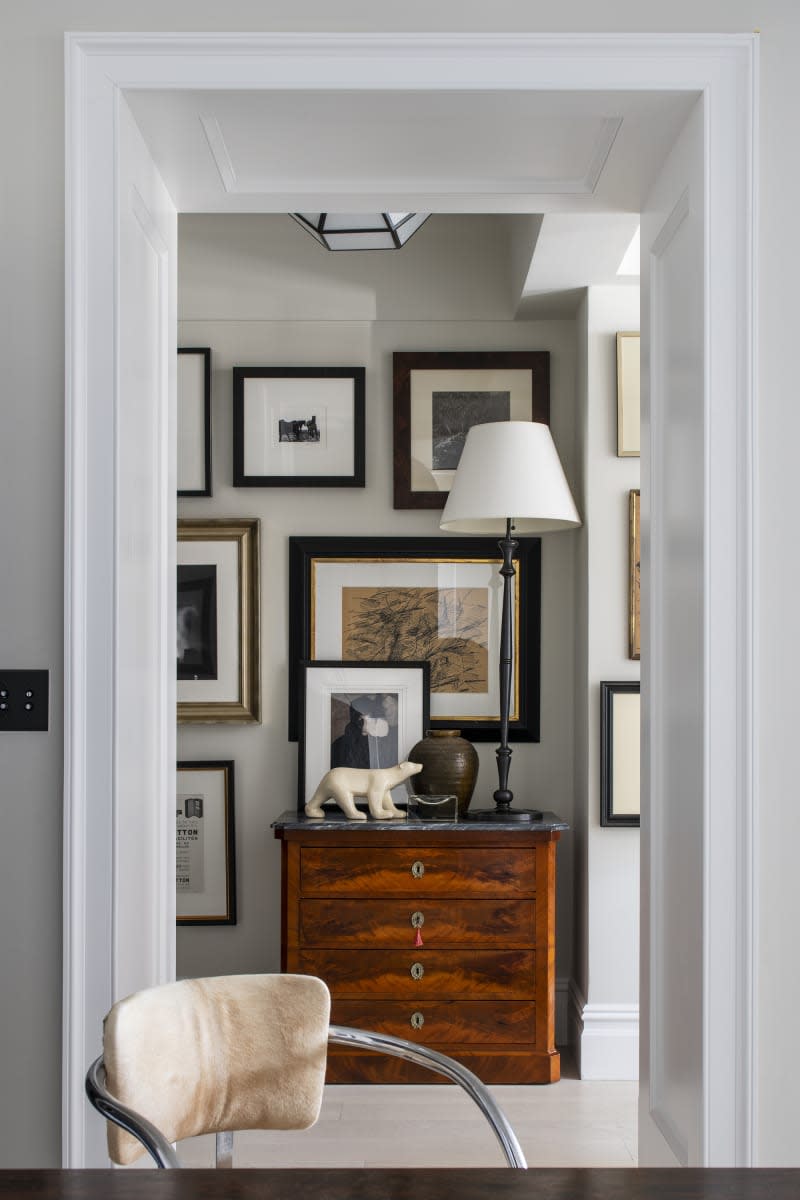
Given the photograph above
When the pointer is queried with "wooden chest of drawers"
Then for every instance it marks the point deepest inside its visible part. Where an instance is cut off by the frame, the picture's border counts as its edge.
(358, 899)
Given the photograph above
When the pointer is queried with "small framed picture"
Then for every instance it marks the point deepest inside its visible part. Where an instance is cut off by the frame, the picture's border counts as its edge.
(620, 726)
(634, 590)
(205, 850)
(298, 426)
(194, 421)
(439, 396)
(218, 620)
(628, 439)
(353, 714)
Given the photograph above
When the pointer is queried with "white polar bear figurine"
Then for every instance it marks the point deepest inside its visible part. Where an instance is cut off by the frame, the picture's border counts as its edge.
(342, 784)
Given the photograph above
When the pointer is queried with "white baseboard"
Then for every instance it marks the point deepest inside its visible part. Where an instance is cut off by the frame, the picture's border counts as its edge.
(605, 1037)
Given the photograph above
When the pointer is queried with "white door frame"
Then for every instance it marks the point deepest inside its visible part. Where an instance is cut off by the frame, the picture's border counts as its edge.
(724, 67)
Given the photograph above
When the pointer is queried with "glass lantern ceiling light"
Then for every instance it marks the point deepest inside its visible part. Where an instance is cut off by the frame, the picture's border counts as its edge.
(361, 231)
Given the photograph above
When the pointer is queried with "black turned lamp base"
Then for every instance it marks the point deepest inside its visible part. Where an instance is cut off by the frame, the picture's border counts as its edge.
(503, 814)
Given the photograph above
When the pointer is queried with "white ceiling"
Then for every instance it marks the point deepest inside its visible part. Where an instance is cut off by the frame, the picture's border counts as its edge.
(464, 152)
(555, 153)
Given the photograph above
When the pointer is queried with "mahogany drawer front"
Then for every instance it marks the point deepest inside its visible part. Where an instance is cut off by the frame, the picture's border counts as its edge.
(441, 975)
(391, 923)
(408, 871)
(442, 1022)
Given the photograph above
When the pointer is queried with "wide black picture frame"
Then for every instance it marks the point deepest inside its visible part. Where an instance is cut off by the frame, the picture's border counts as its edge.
(354, 478)
(610, 814)
(306, 552)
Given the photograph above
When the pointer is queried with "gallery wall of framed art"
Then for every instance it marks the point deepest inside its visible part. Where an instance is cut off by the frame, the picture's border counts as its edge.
(453, 301)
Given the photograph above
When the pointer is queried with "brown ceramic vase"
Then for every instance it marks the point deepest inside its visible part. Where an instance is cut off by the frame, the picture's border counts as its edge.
(449, 766)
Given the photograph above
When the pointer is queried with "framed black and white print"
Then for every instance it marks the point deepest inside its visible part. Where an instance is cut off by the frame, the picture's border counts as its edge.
(205, 845)
(366, 715)
(298, 426)
(426, 599)
(439, 396)
(194, 421)
(620, 727)
(217, 620)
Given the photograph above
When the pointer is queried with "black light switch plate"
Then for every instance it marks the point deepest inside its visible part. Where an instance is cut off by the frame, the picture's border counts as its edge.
(24, 700)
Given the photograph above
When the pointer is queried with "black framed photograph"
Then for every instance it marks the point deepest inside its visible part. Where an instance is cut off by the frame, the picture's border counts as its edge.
(620, 728)
(355, 714)
(218, 620)
(194, 421)
(427, 599)
(298, 426)
(439, 396)
(205, 844)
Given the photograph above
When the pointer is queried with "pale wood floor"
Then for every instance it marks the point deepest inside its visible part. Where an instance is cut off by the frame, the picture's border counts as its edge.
(569, 1124)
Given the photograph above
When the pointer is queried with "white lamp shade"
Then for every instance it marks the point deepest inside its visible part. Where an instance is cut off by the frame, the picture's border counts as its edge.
(509, 469)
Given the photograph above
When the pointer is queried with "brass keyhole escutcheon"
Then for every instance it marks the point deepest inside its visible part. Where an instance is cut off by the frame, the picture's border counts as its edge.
(418, 869)
(417, 971)
(417, 1020)
(417, 920)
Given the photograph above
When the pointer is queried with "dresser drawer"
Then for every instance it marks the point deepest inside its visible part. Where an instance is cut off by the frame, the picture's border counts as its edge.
(452, 872)
(444, 1022)
(445, 974)
(390, 923)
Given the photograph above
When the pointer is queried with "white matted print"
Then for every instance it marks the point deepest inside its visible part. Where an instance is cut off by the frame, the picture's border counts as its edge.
(205, 854)
(628, 399)
(298, 427)
(620, 737)
(445, 613)
(364, 715)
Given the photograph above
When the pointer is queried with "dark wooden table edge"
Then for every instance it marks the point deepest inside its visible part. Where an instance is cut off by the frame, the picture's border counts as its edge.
(422, 1184)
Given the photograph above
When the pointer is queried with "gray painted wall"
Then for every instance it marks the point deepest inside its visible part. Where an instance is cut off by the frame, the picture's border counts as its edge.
(236, 274)
(31, 491)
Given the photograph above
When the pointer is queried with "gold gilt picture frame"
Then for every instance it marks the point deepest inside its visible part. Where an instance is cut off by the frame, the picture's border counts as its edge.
(218, 621)
(634, 600)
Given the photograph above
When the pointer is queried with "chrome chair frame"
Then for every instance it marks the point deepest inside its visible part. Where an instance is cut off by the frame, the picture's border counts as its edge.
(163, 1153)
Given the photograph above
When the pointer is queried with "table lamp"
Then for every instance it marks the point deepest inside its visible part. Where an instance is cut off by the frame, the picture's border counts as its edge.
(509, 480)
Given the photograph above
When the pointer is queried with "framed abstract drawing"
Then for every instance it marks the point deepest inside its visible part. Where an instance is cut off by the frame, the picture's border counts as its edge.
(365, 715)
(298, 426)
(620, 725)
(205, 849)
(217, 620)
(439, 396)
(428, 599)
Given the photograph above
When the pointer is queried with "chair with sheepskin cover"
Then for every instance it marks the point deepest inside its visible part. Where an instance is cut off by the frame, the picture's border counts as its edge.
(235, 1052)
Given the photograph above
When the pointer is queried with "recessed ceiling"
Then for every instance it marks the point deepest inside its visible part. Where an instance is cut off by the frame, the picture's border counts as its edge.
(273, 151)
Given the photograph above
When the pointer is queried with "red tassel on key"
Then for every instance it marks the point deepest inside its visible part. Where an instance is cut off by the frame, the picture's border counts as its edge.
(418, 939)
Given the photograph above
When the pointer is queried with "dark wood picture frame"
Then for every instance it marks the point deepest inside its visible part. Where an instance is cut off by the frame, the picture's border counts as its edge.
(359, 670)
(354, 478)
(306, 552)
(406, 362)
(609, 812)
(205, 353)
(225, 767)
